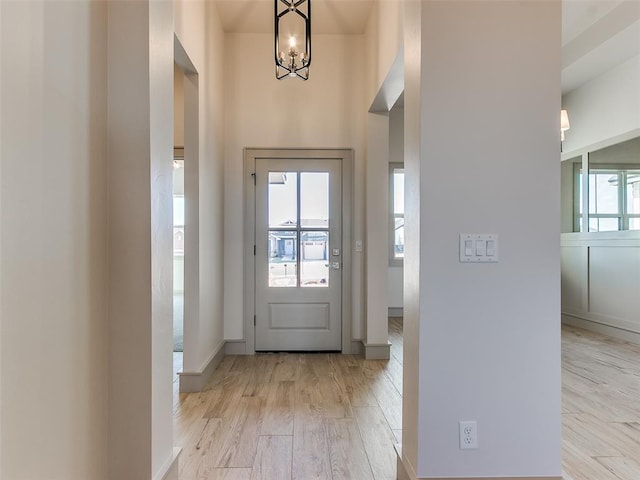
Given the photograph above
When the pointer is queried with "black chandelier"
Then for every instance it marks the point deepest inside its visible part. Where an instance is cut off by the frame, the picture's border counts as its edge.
(292, 18)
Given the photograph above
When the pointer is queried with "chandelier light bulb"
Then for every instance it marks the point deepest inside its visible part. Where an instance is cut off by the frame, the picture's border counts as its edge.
(292, 42)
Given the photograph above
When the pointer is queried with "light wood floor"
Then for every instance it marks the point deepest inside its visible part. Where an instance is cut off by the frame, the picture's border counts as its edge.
(600, 407)
(325, 416)
(294, 416)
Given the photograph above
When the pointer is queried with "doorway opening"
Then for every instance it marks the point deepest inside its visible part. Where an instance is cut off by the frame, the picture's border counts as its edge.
(178, 220)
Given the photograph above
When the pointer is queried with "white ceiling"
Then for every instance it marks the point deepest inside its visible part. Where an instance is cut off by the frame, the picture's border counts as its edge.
(578, 15)
(596, 34)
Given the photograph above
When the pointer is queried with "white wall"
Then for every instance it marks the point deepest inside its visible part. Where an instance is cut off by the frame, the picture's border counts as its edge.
(377, 231)
(488, 345)
(605, 107)
(140, 146)
(601, 281)
(178, 107)
(65, 221)
(384, 83)
(602, 112)
(601, 270)
(329, 112)
(199, 31)
(384, 37)
(53, 221)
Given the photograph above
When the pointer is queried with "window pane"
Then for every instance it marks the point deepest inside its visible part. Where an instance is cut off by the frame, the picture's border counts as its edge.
(314, 259)
(634, 223)
(178, 210)
(398, 191)
(283, 199)
(604, 224)
(282, 256)
(633, 191)
(398, 244)
(314, 199)
(178, 240)
(603, 192)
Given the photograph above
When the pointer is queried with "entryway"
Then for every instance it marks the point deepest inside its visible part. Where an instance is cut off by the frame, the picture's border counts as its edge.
(298, 277)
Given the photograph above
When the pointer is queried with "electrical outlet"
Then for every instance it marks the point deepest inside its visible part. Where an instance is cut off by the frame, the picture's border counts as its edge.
(468, 435)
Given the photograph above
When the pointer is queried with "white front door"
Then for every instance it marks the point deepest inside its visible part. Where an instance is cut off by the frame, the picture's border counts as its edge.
(298, 276)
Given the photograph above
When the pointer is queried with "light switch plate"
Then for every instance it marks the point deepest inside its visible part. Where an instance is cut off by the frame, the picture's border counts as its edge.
(484, 248)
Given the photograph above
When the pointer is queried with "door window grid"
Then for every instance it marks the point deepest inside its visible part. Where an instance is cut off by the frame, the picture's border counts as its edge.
(298, 234)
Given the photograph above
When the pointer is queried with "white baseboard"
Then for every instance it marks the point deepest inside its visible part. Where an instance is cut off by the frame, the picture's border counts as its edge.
(380, 351)
(169, 470)
(406, 471)
(615, 332)
(195, 381)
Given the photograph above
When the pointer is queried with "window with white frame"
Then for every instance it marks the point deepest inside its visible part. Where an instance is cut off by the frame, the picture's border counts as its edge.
(396, 209)
(614, 198)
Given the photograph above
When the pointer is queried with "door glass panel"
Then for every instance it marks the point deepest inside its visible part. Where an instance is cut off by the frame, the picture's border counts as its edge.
(314, 259)
(283, 199)
(314, 199)
(283, 256)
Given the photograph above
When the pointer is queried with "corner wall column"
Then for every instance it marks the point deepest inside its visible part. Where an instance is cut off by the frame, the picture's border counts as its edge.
(482, 155)
(376, 342)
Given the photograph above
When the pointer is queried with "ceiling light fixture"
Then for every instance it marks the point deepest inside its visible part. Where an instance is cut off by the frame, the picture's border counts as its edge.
(292, 21)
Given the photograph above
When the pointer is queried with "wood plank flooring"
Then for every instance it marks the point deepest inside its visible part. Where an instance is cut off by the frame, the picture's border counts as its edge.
(329, 416)
(294, 416)
(600, 407)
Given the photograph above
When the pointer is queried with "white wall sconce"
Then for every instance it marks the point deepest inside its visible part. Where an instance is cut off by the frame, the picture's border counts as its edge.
(564, 123)
(292, 20)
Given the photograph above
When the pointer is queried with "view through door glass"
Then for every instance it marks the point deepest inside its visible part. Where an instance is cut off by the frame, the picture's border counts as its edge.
(298, 250)
(298, 217)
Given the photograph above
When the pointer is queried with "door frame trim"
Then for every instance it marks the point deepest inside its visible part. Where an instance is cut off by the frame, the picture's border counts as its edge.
(345, 156)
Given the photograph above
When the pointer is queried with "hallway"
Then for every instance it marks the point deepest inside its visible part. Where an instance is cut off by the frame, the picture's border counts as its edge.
(301, 416)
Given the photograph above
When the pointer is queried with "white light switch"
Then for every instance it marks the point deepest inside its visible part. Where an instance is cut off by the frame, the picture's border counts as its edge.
(358, 245)
(491, 248)
(478, 247)
(468, 248)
